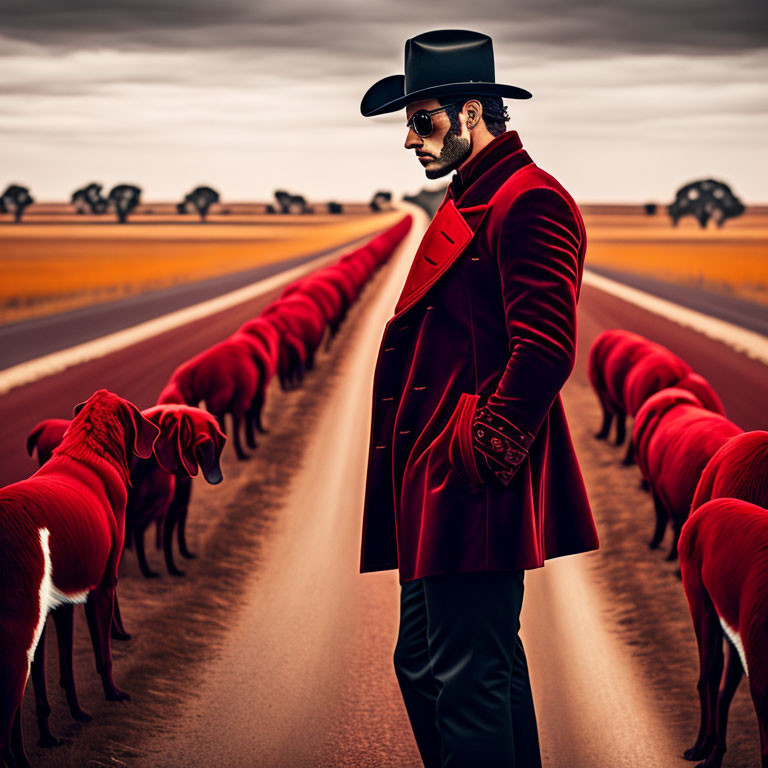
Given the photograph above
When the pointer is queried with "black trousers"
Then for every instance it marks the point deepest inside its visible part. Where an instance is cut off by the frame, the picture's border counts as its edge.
(463, 672)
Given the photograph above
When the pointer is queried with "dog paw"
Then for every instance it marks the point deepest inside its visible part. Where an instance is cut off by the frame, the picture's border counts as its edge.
(118, 695)
(49, 741)
(81, 716)
(697, 751)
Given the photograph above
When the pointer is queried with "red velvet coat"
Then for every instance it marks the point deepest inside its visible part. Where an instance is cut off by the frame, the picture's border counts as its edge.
(471, 465)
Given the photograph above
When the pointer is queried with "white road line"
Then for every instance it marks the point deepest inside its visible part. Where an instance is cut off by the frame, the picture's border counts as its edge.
(751, 344)
(33, 370)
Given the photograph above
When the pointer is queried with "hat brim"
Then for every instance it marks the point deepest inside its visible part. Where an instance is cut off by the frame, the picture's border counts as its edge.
(388, 94)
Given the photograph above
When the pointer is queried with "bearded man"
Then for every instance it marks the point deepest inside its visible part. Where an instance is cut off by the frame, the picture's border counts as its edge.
(472, 476)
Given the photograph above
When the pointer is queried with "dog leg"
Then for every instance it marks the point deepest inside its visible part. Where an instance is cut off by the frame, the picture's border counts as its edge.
(118, 630)
(760, 700)
(661, 521)
(709, 636)
(259, 407)
(63, 618)
(733, 675)
(676, 526)
(17, 742)
(241, 454)
(629, 458)
(181, 498)
(605, 427)
(13, 671)
(171, 518)
(621, 427)
(42, 706)
(98, 610)
(250, 426)
(138, 537)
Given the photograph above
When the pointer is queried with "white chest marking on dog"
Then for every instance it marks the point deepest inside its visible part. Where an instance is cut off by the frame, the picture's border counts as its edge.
(733, 636)
(49, 596)
(44, 595)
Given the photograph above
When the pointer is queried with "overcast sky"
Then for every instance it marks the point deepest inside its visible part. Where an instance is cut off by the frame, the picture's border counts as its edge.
(631, 98)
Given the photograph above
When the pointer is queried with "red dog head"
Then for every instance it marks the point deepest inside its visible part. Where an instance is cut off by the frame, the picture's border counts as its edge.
(189, 438)
(142, 431)
(111, 427)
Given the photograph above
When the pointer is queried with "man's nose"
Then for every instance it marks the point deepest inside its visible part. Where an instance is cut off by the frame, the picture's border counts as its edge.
(412, 140)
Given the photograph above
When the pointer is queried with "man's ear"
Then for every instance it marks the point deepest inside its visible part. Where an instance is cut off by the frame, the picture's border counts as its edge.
(474, 110)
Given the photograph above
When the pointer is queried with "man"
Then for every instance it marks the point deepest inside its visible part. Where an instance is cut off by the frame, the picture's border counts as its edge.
(472, 476)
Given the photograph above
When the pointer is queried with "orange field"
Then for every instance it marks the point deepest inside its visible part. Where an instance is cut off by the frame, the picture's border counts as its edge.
(55, 260)
(732, 260)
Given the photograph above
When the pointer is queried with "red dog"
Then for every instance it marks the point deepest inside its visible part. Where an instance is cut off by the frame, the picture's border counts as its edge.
(61, 534)
(189, 440)
(598, 353)
(230, 377)
(724, 564)
(656, 370)
(684, 439)
(739, 469)
(619, 361)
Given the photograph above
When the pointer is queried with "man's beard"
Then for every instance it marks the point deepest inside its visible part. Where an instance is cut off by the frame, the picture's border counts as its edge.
(455, 150)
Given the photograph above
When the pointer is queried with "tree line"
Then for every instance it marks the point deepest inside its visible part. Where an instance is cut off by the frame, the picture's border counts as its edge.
(124, 199)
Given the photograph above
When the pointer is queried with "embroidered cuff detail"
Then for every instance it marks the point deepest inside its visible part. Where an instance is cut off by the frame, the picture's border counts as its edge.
(502, 445)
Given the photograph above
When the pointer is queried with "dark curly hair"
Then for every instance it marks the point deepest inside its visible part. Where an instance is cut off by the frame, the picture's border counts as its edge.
(495, 113)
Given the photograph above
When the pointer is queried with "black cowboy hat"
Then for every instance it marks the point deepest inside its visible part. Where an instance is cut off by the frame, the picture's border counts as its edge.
(445, 61)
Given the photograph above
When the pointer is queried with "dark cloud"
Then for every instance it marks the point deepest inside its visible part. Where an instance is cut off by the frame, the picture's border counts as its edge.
(609, 26)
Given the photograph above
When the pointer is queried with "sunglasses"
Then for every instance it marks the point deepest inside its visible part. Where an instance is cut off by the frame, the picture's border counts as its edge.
(421, 121)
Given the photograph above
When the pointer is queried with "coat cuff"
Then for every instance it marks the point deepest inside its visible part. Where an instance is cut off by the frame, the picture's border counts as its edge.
(502, 447)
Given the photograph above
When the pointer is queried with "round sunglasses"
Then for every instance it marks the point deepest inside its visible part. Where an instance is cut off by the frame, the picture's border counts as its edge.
(421, 121)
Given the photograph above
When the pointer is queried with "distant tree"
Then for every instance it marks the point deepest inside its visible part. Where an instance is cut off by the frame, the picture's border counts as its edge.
(650, 209)
(269, 208)
(381, 201)
(201, 199)
(181, 207)
(16, 198)
(283, 200)
(334, 207)
(90, 197)
(291, 203)
(704, 200)
(299, 205)
(125, 198)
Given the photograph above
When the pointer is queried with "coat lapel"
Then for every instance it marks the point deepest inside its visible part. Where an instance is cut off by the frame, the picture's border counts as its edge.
(444, 241)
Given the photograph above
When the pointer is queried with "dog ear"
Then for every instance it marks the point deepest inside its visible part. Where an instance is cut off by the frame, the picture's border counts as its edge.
(185, 446)
(34, 436)
(165, 445)
(78, 408)
(144, 431)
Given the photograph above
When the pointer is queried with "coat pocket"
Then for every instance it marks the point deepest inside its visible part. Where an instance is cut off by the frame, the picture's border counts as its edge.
(461, 454)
